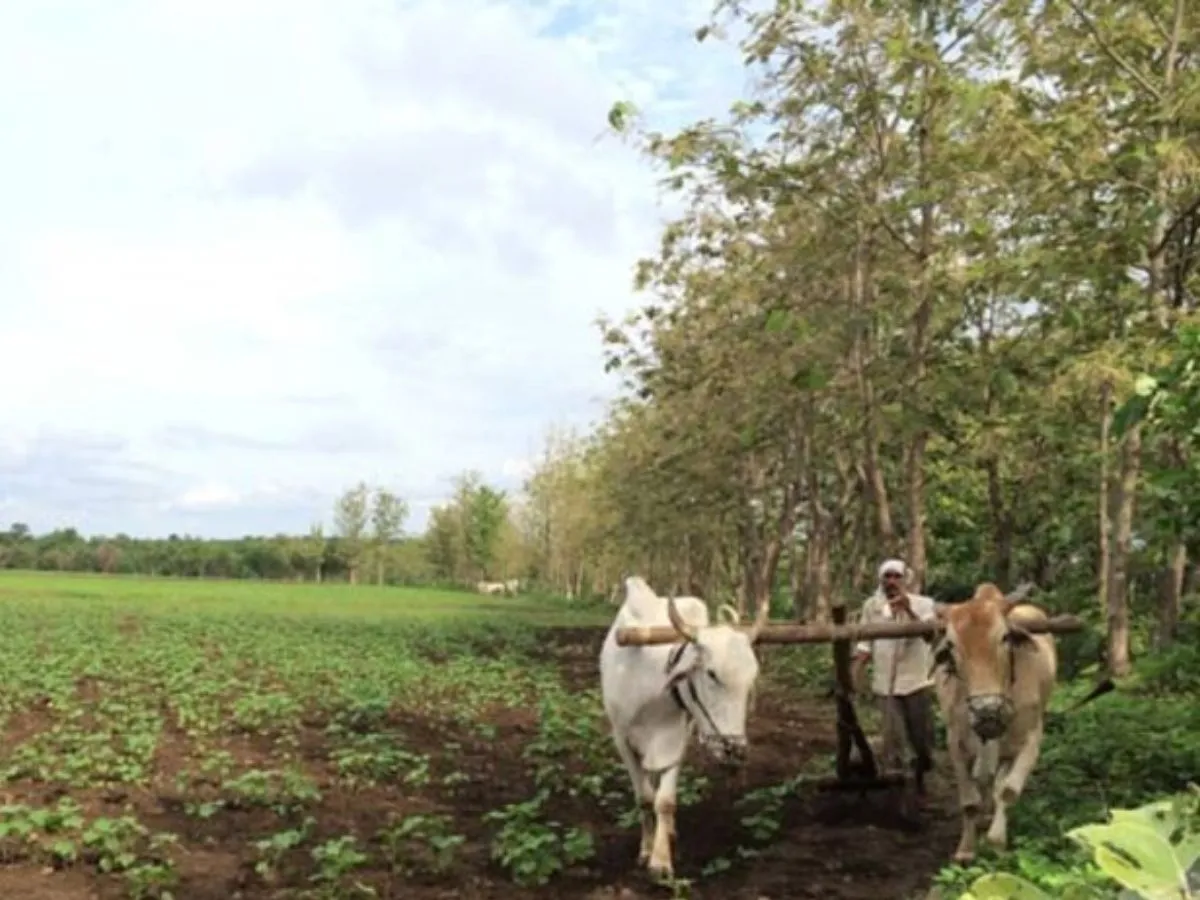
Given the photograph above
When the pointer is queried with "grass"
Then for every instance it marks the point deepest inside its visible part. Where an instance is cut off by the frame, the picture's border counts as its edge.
(145, 595)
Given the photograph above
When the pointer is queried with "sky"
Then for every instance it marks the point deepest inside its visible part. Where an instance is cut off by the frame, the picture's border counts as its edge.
(255, 251)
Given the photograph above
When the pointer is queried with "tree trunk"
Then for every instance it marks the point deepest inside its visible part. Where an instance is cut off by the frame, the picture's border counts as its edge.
(766, 561)
(1002, 530)
(874, 470)
(1156, 288)
(763, 540)
(817, 574)
(796, 581)
(923, 316)
(743, 586)
(1118, 573)
(1171, 602)
(822, 596)
(916, 511)
(999, 516)
(1105, 522)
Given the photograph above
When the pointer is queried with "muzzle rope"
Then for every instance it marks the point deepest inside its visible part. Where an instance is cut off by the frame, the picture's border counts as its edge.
(693, 695)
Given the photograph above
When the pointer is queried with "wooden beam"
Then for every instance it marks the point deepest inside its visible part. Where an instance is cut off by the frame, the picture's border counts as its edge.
(641, 635)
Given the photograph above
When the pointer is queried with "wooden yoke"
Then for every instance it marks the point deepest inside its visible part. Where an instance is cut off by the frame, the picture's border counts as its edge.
(863, 773)
(641, 635)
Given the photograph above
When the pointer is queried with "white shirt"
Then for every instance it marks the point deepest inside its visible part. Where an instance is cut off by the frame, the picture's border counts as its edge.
(912, 656)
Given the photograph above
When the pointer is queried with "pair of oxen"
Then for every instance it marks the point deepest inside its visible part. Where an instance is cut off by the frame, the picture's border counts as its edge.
(993, 680)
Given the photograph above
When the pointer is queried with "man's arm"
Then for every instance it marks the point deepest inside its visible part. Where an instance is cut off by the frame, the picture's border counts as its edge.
(925, 610)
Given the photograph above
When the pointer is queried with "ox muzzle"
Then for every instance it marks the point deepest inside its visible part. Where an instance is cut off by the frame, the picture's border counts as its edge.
(728, 750)
(989, 715)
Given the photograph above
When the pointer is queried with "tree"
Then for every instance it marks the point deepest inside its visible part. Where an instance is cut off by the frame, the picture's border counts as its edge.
(387, 521)
(1165, 405)
(310, 553)
(350, 519)
(443, 543)
(485, 511)
(907, 267)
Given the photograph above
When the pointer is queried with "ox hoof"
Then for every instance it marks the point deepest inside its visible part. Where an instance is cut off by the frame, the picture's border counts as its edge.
(661, 871)
(964, 857)
(998, 840)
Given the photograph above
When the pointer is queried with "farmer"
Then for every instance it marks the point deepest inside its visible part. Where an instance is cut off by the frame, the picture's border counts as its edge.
(900, 678)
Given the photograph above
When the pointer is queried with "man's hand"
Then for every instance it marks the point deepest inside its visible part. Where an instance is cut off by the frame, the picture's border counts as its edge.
(901, 606)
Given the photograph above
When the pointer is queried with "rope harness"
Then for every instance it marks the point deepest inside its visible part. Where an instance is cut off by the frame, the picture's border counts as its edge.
(677, 695)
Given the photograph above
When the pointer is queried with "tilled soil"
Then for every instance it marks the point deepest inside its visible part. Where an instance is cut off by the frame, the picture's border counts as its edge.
(836, 846)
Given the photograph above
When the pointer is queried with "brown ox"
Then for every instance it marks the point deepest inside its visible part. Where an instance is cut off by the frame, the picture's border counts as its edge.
(994, 680)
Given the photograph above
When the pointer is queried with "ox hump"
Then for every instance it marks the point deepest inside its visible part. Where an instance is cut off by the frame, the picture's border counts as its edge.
(988, 593)
(1027, 613)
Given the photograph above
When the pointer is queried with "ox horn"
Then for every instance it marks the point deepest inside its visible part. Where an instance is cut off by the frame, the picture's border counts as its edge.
(677, 621)
(1019, 596)
(764, 613)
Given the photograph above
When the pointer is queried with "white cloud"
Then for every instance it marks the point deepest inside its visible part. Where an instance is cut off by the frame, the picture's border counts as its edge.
(209, 496)
(252, 252)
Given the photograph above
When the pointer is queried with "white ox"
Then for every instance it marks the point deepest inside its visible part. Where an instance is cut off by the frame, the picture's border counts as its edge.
(655, 694)
(994, 680)
(490, 587)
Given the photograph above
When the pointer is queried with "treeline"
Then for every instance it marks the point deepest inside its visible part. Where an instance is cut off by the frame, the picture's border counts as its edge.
(934, 295)
(470, 537)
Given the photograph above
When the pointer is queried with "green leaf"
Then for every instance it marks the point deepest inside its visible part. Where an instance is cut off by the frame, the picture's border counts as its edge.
(1145, 385)
(777, 320)
(1078, 892)
(1169, 820)
(1132, 412)
(620, 115)
(1004, 886)
(810, 378)
(1137, 856)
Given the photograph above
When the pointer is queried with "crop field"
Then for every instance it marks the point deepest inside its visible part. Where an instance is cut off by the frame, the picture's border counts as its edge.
(212, 740)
